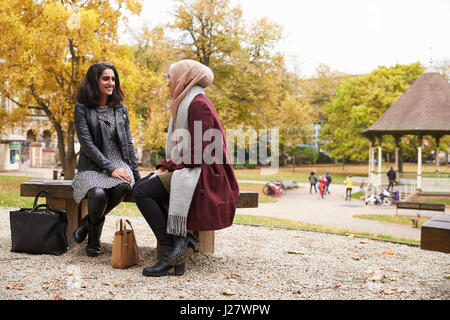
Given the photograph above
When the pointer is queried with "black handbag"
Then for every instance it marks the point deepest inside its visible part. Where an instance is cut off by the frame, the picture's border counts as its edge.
(41, 230)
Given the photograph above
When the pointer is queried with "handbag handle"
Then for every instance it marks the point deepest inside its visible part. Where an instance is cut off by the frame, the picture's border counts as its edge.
(46, 206)
(37, 199)
(123, 226)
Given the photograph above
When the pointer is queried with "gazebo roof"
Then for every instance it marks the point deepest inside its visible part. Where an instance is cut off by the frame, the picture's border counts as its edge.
(424, 109)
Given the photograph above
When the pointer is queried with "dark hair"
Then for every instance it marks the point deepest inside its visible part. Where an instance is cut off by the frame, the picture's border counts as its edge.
(88, 92)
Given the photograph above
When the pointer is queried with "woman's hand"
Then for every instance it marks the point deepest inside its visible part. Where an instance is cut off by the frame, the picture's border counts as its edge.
(122, 174)
(158, 172)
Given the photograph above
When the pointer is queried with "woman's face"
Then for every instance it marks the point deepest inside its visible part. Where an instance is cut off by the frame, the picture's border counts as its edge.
(106, 82)
(170, 84)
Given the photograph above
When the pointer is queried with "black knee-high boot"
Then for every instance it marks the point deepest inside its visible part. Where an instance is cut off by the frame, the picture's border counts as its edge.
(97, 203)
(116, 196)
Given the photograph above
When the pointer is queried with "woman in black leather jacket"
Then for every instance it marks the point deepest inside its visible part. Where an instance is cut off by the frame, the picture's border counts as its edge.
(107, 166)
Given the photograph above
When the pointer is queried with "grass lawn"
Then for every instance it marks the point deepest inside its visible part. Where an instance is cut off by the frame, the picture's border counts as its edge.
(10, 191)
(394, 219)
(357, 195)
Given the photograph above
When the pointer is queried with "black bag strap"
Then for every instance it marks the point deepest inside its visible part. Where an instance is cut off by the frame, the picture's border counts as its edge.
(37, 199)
(46, 206)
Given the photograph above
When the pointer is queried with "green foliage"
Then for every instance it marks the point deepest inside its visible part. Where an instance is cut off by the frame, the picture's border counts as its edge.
(359, 102)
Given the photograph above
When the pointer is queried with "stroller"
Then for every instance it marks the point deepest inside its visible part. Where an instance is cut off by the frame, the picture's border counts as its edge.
(385, 198)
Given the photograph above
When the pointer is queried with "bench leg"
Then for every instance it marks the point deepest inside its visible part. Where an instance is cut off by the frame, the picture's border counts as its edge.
(206, 241)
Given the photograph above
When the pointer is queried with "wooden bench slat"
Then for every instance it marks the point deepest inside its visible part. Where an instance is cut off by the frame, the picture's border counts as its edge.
(421, 206)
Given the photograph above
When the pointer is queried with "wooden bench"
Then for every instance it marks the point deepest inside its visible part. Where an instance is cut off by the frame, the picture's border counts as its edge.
(61, 192)
(435, 234)
(420, 206)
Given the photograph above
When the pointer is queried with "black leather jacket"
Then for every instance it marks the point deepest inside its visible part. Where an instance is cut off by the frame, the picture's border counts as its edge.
(93, 137)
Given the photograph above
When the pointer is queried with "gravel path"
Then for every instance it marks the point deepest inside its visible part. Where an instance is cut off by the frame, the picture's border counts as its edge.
(249, 263)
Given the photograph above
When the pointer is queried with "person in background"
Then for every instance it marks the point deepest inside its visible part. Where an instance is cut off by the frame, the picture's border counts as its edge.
(349, 185)
(313, 181)
(322, 186)
(327, 187)
(391, 176)
(361, 186)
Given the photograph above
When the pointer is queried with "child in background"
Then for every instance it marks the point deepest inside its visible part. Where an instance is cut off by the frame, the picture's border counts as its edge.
(349, 184)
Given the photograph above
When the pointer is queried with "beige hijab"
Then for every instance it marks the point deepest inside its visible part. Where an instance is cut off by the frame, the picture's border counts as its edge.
(184, 75)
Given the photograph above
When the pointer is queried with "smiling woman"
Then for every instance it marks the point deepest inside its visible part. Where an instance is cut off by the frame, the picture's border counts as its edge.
(107, 166)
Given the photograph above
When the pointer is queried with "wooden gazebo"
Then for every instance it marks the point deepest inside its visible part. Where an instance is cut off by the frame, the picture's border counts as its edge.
(424, 109)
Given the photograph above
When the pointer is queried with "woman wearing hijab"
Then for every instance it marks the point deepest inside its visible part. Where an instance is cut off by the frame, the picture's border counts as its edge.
(201, 192)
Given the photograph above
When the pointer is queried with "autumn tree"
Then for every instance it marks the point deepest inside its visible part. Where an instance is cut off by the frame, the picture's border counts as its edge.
(252, 88)
(46, 48)
(358, 103)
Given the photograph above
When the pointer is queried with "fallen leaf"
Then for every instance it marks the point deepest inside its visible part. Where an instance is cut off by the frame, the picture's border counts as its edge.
(105, 284)
(116, 284)
(228, 293)
(364, 242)
(70, 274)
(336, 286)
(181, 297)
(392, 291)
(231, 274)
(447, 276)
(387, 253)
(15, 287)
(87, 285)
(356, 258)
(297, 292)
(295, 252)
(57, 297)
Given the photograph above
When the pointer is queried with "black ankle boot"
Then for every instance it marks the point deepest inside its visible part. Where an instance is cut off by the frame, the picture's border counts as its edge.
(82, 231)
(162, 268)
(94, 248)
(180, 247)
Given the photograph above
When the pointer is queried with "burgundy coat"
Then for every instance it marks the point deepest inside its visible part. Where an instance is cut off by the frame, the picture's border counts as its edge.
(214, 202)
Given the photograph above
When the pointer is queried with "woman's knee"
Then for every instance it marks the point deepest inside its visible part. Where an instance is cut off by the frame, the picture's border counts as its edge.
(147, 189)
(123, 188)
(98, 194)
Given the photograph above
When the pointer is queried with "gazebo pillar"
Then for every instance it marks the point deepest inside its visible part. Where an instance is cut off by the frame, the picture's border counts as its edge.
(438, 140)
(396, 166)
(370, 182)
(380, 160)
(419, 164)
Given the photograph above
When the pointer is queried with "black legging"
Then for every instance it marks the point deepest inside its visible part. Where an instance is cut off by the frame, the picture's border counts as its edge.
(151, 196)
(102, 201)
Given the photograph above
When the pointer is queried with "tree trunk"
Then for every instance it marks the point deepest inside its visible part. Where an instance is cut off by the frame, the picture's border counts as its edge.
(67, 157)
(71, 158)
(61, 148)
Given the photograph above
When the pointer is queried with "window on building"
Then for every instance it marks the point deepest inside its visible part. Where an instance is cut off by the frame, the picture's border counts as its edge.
(14, 156)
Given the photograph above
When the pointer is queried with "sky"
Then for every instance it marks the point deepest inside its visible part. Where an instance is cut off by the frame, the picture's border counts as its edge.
(351, 36)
